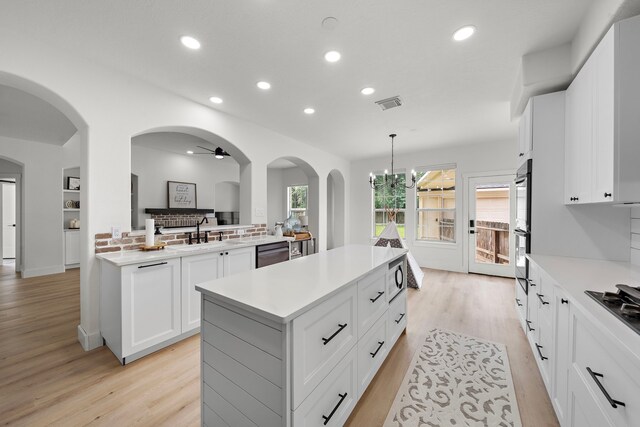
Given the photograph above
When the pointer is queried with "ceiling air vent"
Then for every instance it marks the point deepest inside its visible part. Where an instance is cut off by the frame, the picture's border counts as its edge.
(392, 102)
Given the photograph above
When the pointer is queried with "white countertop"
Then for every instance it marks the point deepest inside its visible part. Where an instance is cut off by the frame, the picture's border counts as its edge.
(135, 257)
(283, 291)
(576, 275)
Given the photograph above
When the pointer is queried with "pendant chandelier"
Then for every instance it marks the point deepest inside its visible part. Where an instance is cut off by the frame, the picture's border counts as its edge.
(391, 179)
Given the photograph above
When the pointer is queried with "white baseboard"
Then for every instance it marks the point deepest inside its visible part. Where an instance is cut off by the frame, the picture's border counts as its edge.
(34, 272)
(89, 341)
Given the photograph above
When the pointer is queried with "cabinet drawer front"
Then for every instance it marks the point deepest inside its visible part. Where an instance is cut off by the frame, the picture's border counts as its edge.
(520, 303)
(372, 299)
(397, 317)
(372, 349)
(334, 398)
(584, 410)
(617, 373)
(321, 337)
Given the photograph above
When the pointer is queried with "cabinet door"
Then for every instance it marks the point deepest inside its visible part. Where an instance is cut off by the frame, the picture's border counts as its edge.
(603, 120)
(561, 353)
(525, 134)
(195, 270)
(239, 260)
(150, 304)
(71, 247)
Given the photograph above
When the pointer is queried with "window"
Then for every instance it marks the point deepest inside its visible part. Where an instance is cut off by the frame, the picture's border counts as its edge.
(297, 200)
(385, 196)
(436, 204)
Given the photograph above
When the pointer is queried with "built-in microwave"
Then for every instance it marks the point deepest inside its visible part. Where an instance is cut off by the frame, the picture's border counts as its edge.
(523, 223)
(396, 280)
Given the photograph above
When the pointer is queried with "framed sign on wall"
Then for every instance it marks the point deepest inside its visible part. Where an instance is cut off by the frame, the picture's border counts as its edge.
(182, 195)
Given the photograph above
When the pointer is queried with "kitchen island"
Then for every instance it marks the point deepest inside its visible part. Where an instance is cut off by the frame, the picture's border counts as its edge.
(298, 343)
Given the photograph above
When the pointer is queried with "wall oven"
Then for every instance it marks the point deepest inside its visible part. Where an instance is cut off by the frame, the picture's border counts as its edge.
(523, 224)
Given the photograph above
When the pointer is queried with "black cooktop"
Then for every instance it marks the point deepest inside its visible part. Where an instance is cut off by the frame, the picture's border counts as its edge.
(624, 304)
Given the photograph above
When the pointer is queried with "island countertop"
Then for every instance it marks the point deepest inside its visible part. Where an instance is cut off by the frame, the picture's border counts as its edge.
(283, 291)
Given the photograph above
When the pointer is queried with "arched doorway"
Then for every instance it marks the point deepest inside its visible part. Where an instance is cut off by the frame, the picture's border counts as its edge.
(335, 209)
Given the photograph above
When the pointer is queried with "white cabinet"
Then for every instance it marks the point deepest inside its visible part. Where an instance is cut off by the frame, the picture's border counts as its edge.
(372, 299)
(525, 132)
(239, 260)
(150, 306)
(601, 148)
(197, 269)
(560, 373)
(71, 247)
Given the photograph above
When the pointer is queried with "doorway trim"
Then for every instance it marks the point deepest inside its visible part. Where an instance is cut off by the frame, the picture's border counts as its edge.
(465, 208)
(19, 218)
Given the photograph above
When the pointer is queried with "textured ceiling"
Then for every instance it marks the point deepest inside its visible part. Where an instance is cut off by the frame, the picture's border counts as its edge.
(453, 93)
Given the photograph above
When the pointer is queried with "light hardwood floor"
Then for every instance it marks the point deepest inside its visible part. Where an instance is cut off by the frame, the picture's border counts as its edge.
(46, 378)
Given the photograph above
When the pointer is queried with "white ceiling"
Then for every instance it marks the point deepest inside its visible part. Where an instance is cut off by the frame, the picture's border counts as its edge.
(453, 93)
(178, 143)
(24, 116)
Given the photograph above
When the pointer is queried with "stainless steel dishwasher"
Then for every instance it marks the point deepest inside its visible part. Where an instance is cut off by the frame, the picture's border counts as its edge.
(272, 253)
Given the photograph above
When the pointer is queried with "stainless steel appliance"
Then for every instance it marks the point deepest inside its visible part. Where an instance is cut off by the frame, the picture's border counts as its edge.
(272, 253)
(395, 278)
(624, 304)
(523, 224)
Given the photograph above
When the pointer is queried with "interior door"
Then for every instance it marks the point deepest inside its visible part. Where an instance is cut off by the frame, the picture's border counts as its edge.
(491, 222)
(8, 220)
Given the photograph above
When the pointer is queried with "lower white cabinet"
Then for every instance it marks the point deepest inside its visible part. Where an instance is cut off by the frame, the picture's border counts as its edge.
(239, 260)
(372, 349)
(197, 269)
(560, 375)
(71, 247)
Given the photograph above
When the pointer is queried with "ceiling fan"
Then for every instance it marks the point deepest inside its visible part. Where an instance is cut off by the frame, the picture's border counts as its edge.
(218, 152)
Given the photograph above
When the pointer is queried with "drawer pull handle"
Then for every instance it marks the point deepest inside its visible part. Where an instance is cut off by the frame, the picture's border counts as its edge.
(531, 283)
(399, 318)
(518, 302)
(529, 326)
(380, 344)
(152, 265)
(612, 402)
(564, 301)
(376, 298)
(541, 300)
(327, 418)
(538, 347)
(607, 194)
(325, 341)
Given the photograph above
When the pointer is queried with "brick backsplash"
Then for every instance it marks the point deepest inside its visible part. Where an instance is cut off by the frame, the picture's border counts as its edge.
(176, 220)
(129, 242)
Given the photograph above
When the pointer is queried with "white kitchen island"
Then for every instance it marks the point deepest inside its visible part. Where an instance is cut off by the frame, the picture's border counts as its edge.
(297, 343)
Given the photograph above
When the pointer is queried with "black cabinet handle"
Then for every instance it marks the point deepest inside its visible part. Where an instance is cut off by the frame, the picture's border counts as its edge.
(564, 301)
(529, 326)
(327, 418)
(518, 302)
(614, 403)
(607, 194)
(380, 344)
(521, 154)
(538, 347)
(399, 318)
(531, 283)
(226, 253)
(221, 253)
(325, 341)
(541, 300)
(152, 265)
(376, 298)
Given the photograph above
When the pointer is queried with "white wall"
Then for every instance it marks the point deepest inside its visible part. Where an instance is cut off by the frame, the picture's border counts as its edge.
(109, 108)
(227, 196)
(41, 205)
(468, 159)
(155, 167)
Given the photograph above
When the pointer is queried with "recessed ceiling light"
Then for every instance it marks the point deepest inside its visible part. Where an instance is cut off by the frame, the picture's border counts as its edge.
(332, 56)
(367, 91)
(190, 42)
(189, 152)
(215, 100)
(309, 111)
(264, 85)
(464, 33)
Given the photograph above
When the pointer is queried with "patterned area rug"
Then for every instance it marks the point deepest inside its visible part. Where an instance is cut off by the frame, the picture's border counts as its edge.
(456, 380)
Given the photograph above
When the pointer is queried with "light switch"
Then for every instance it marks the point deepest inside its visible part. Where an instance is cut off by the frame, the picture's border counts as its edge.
(116, 233)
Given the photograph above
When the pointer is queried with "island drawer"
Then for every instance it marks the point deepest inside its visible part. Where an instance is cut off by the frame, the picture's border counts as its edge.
(610, 373)
(372, 349)
(372, 299)
(397, 317)
(334, 398)
(321, 338)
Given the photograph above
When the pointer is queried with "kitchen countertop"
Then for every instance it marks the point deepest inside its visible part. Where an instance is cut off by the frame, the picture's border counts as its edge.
(176, 251)
(576, 275)
(283, 291)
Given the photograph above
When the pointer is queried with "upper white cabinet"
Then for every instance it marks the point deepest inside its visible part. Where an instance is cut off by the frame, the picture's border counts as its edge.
(525, 132)
(601, 146)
